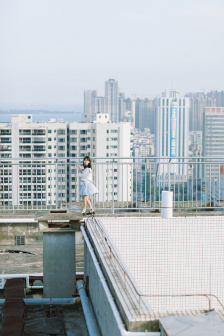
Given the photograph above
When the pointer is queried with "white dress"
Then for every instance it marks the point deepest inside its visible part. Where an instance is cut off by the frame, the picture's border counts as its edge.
(87, 187)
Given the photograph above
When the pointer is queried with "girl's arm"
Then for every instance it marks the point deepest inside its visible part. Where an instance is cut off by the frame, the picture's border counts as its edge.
(85, 172)
(79, 168)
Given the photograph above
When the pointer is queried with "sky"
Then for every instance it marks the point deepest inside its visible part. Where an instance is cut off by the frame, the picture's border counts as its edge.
(53, 50)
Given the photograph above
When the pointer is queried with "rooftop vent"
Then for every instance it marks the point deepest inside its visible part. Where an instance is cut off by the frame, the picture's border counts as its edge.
(20, 240)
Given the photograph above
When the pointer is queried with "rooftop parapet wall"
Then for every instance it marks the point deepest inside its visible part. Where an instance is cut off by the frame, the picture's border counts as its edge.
(133, 307)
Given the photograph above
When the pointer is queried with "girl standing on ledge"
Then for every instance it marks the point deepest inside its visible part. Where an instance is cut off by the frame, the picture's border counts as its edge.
(87, 187)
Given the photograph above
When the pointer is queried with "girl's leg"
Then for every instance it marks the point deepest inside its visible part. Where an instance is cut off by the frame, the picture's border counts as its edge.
(84, 198)
(89, 203)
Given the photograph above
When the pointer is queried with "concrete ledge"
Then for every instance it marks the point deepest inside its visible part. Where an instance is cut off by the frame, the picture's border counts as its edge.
(60, 219)
(17, 220)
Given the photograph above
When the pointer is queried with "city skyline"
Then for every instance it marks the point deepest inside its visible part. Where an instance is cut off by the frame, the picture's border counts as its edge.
(52, 51)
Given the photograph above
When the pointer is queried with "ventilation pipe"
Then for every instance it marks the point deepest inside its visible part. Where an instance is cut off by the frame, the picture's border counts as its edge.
(167, 204)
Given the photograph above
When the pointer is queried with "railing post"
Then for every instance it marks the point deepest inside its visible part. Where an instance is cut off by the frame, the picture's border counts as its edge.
(56, 180)
(113, 185)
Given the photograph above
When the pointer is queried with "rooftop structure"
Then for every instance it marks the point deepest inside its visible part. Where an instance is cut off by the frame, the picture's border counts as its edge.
(142, 274)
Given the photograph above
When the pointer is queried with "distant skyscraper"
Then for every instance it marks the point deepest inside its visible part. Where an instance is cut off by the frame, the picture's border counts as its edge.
(199, 101)
(92, 105)
(213, 146)
(213, 130)
(127, 110)
(197, 104)
(98, 106)
(112, 99)
(172, 127)
(89, 96)
(144, 114)
(122, 106)
(217, 97)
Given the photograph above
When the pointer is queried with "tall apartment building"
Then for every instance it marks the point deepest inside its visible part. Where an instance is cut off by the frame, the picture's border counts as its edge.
(130, 107)
(172, 129)
(89, 96)
(144, 114)
(92, 104)
(126, 109)
(213, 130)
(30, 150)
(122, 106)
(217, 97)
(114, 104)
(198, 102)
(213, 147)
(112, 99)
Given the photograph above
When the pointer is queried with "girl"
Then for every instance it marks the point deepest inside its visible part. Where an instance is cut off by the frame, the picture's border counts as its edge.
(87, 187)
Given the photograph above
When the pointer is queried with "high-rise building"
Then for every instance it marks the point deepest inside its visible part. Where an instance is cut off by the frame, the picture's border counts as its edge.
(172, 129)
(213, 147)
(98, 106)
(213, 130)
(122, 106)
(217, 97)
(130, 106)
(199, 101)
(30, 175)
(92, 104)
(144, 114)
(126, 109)
(112, 99)
(89, 104)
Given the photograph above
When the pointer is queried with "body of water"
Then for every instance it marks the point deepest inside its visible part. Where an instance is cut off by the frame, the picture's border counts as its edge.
(5, 116)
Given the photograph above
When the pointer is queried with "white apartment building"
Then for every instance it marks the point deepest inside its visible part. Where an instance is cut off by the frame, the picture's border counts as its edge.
(41, 174)
(113, 140)
(172, 131)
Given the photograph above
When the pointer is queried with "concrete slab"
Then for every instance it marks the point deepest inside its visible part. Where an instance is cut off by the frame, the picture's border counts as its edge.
(204, 324)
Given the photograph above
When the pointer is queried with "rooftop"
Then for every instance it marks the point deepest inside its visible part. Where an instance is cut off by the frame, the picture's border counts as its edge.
(154, 267)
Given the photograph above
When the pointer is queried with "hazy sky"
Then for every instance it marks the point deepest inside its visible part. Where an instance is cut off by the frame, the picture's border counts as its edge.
(53, 50)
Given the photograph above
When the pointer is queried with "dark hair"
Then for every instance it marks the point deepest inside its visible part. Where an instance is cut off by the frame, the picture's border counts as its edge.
(87, 158)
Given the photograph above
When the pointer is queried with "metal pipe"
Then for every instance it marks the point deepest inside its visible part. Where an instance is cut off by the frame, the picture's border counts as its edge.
(26, 276)
(47, 301)
(110, 299)
(90, 322)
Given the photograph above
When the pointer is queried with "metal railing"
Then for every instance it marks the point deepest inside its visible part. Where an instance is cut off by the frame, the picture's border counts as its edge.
(128, 183)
